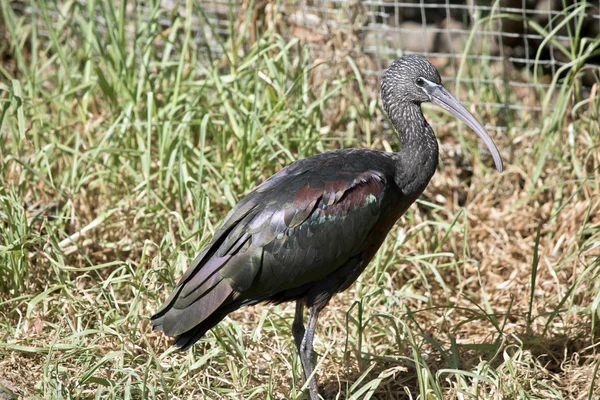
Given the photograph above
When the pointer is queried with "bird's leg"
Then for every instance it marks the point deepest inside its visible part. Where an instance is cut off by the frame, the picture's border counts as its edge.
(298, 324)
(306, 349)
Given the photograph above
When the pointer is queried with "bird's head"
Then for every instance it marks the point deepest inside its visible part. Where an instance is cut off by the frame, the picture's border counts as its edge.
(412, 79)
(409, 79)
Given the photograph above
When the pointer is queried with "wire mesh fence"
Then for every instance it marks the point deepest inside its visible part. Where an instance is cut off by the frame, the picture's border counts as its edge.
(514, 49)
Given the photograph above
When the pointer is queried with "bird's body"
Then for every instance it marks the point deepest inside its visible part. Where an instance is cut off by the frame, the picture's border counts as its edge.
(308, 231)
(329, 212)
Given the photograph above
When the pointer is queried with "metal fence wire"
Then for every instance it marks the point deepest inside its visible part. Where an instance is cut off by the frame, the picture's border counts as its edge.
(512, 48)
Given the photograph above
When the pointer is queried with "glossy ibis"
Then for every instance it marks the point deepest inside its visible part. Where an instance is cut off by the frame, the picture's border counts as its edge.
(308, 231)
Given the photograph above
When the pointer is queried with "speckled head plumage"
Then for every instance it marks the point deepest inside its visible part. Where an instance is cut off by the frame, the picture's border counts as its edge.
(405, 78)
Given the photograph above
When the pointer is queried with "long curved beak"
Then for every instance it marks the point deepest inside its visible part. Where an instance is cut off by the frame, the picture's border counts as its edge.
(440, 96)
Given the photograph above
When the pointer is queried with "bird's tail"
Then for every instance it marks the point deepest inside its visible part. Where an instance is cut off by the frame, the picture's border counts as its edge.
(200, 300)
(204, 294)
(187, 339)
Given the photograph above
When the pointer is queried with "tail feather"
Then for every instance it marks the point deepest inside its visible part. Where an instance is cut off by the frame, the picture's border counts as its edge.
(196, 296)
(202, 269)
(185, 340)
(179, 320)
(203, 296)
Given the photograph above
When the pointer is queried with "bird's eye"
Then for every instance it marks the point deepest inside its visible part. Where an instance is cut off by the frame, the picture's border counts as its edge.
(420, 81)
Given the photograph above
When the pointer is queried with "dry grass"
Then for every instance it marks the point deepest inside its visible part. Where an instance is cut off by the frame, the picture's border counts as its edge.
(119, 156)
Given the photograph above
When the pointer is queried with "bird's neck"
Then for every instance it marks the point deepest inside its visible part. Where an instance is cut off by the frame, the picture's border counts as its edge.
(418, 158)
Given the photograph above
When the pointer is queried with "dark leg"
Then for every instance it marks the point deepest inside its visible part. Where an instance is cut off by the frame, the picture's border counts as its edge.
(298, 325)
(306, 349)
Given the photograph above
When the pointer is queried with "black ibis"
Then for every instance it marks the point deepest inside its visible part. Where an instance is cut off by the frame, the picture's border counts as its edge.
(308, 231)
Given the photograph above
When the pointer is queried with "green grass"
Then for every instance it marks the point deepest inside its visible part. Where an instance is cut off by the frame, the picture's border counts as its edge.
(123, 144)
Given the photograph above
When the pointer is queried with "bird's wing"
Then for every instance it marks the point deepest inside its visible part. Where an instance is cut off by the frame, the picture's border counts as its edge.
(298, 226)
(322, 225)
